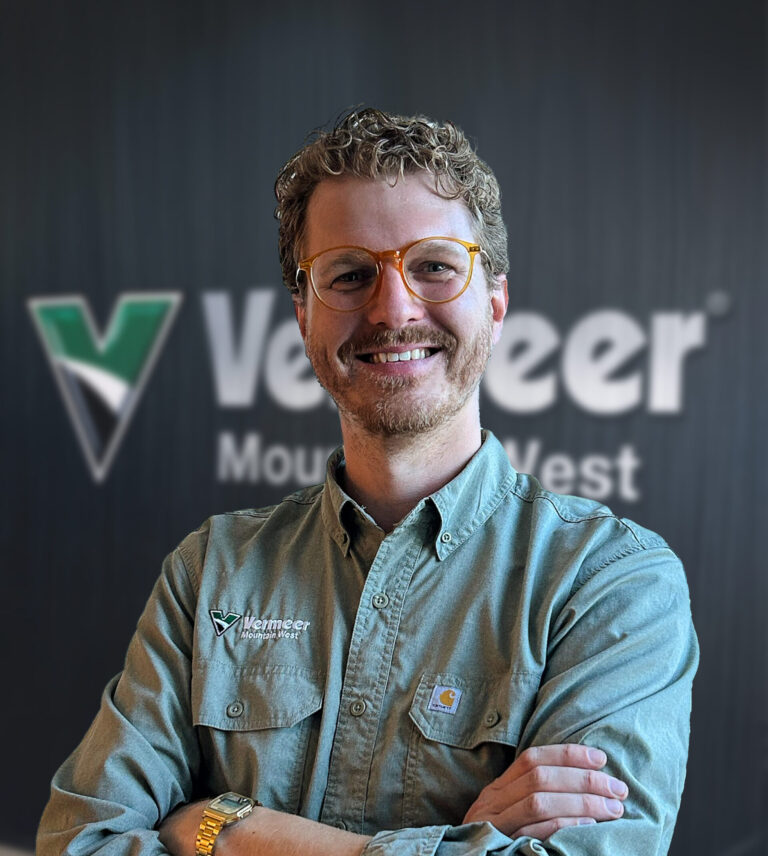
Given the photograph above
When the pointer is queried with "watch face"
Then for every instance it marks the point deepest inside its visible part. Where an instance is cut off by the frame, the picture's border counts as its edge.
(230, 803)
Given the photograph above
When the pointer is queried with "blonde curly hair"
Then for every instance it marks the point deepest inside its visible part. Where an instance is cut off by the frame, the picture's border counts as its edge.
(372, 144)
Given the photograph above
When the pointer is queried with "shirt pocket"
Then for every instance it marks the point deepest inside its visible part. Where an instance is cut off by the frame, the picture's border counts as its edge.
(457, 748)
(255, 724)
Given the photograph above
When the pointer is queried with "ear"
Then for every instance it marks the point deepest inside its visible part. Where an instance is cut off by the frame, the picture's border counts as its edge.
(300, 311)
(499, 301)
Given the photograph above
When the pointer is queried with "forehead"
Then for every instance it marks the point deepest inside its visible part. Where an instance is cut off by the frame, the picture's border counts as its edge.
(377, 214)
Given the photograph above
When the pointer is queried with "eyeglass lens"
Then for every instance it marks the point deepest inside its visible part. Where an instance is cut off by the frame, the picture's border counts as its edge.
(435, 269)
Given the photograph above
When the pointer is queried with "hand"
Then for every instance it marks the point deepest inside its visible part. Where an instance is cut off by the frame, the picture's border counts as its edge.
(547, 788)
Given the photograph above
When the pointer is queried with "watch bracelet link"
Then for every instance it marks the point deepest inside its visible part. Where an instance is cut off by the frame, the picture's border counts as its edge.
(209, 830)
(210, 827)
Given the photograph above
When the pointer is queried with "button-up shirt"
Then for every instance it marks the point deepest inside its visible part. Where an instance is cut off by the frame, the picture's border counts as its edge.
(378, 682)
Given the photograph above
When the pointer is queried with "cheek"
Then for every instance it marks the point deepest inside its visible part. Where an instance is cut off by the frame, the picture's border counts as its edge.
(464, 319)
(328, 331)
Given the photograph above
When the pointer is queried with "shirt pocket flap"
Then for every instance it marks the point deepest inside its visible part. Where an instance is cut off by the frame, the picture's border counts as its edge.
(465, 712)
(254, 697)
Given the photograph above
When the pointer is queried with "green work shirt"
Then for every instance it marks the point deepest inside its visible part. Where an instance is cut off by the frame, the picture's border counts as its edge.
(377, 684)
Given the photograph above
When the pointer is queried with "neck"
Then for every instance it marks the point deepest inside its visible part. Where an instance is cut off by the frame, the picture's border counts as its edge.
(390, 474)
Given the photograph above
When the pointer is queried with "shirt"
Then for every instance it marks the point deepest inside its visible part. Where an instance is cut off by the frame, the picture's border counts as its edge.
(378, 683)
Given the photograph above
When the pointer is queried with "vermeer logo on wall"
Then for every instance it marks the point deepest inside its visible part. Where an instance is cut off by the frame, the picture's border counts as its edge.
(101, 378)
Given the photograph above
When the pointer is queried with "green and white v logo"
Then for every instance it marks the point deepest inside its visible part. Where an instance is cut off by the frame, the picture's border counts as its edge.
(221, 622)
(101, 378)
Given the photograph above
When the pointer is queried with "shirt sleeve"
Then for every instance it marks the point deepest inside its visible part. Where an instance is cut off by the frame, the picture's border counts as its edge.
(621, 657)
(137, 761)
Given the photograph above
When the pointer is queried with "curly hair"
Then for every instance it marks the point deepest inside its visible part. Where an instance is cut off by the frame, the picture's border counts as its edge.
(372, 144)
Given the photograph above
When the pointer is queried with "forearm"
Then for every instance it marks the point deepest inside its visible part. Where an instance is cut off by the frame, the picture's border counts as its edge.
(263, 833)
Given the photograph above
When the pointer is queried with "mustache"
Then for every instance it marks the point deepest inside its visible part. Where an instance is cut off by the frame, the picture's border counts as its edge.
(375, 340)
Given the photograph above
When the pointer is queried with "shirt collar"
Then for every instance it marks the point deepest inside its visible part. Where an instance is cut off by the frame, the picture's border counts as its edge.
(335, 500)
(459, 507)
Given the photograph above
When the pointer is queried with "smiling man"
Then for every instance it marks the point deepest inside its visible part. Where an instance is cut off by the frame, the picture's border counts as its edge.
(429, 653)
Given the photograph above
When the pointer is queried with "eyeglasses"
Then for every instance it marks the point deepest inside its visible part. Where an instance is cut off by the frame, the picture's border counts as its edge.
(435, 270)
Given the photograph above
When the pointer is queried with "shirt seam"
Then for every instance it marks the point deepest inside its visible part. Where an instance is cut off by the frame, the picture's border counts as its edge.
(545, 498)
(264, 515)
(267, 511)
(301, 501)
(621, 554)
(193, 579)
(642, 544)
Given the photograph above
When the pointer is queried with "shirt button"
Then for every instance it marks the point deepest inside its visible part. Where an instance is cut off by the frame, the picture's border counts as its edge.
(493, 717)
(446, 537)
(357, 708)
(380, 600)
(339, 824)
(235, 709)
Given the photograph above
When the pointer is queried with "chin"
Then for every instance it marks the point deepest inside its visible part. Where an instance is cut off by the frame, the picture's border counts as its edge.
(396, 416)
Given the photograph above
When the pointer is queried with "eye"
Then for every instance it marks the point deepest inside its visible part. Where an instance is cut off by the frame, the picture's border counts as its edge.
(435, 267)
(350, 280)
(431, 268)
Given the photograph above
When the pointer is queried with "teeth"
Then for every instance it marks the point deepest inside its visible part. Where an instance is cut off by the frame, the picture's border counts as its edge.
(405, 356)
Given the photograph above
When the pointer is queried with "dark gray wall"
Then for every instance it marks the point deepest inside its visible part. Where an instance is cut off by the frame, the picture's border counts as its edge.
(139, 146)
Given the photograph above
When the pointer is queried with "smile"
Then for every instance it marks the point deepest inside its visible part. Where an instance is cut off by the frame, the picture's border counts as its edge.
(402, 357)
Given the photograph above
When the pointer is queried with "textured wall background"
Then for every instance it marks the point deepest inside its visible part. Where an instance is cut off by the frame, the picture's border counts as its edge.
(139, 145)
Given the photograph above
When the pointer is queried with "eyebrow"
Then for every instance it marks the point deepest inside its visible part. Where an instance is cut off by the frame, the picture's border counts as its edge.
(353, 256)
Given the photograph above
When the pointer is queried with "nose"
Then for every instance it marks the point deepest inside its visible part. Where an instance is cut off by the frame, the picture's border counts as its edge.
(393, 306)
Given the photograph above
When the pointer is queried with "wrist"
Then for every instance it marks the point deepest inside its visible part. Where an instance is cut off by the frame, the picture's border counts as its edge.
(219, 814)
(269, 832)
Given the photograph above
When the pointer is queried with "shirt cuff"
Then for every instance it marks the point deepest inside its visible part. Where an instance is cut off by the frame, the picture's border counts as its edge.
(423, 841)
(475, 838)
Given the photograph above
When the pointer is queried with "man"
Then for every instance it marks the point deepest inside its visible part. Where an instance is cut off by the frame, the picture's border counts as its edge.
(429, 654)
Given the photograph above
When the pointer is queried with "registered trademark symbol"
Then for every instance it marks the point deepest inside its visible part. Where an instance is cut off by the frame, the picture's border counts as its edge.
(718, 303)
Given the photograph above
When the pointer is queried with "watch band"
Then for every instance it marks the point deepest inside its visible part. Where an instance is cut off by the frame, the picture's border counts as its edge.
(215, 820)
(209, 830)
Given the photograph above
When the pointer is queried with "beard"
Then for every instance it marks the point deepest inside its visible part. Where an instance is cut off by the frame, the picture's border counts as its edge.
(389, 406)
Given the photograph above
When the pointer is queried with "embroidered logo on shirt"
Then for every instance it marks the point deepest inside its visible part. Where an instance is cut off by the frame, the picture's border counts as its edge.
(273, 628)
(221, 622)
(444, 699)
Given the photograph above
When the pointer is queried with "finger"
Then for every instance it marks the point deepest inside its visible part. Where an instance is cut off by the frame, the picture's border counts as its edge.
(557, 755)
(497, 797)
(541, 807)
(566, 780)
(542, 831)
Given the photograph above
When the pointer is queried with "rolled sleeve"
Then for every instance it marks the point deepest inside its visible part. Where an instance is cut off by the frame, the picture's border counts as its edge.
(471, 838)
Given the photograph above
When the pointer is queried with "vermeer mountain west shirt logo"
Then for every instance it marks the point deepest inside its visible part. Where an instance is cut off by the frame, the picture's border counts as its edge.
(221, 622)
(101, 378)
(273, 628)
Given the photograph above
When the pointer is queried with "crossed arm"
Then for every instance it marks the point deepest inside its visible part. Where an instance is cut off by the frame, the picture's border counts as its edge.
(120, 789)
(545, 789)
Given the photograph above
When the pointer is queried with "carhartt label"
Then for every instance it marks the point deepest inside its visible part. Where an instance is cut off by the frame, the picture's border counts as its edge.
(445, 699)
(273, 628)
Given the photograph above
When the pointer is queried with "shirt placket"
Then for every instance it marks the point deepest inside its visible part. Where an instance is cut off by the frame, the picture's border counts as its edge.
(363, 697)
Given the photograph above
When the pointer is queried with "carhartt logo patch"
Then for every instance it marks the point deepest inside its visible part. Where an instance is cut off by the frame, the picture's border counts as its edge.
(445, 699)
(102, 376)
(221, 622)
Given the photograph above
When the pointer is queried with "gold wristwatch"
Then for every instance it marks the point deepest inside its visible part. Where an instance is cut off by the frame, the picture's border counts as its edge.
(224, 810)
